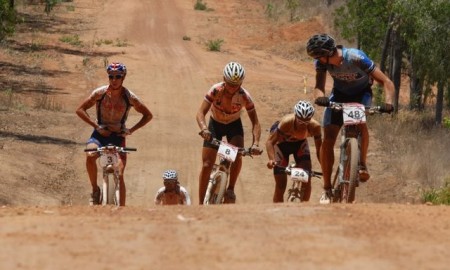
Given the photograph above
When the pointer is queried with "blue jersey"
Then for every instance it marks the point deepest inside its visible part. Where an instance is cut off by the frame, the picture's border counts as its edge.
(352, 76)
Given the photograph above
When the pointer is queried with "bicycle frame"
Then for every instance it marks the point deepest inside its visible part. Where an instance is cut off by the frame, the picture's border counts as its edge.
(218, 179)
(109, 162)
(346, 178)
(297, 177)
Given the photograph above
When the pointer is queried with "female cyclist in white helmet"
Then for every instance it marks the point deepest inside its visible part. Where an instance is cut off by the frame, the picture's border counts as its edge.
(289, 137)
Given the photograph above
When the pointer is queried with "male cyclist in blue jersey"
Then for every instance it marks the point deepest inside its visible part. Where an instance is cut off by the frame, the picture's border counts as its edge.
(353, 73)
(113, 102)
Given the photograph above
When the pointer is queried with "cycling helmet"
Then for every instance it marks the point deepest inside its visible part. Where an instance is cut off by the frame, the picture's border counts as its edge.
(116, 67)
(304, 109)
(320, 46)
(234, 73)
(170, 176)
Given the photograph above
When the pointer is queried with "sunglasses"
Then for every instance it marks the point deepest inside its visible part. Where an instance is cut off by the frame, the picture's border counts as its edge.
(117, 77)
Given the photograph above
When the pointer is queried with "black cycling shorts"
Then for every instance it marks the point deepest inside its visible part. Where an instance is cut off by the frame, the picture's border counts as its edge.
(219, 130)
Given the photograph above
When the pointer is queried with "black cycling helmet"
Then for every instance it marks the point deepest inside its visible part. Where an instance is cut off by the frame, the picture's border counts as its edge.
(320, 46)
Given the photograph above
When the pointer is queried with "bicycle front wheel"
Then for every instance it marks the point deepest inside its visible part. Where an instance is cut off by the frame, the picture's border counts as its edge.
(350, 173)
(216, 188)
(111, 191)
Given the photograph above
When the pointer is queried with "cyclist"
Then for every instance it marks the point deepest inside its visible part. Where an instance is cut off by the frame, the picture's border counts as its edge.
(113, 102)
(225, 100)
(289, 137)
(353, 74)
(172, 193)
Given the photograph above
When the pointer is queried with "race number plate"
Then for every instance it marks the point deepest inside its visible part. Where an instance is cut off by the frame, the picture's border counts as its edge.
(298, 174)
(227, 151)
(108, 159)
(354, 113)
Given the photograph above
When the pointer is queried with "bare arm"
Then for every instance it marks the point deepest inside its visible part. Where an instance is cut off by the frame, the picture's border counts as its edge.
(388, 85)
(82, 112)
(319, 88)
(146, 117)
(270, 148)
(201, 115)
(256, 127)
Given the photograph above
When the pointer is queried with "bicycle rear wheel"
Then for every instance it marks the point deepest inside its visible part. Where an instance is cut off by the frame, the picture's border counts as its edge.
(350, 174)
(216, 188)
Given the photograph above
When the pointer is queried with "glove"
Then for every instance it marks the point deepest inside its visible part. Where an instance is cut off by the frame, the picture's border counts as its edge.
(206, 134)
(322, 101)
(386, 108)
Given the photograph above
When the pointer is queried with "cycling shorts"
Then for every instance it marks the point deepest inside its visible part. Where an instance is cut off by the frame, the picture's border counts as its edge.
(331, 117)
(300, 151)
(218, 130)
(114, 139)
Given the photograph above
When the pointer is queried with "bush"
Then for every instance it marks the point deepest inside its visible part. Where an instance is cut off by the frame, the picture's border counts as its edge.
(438, 196)
(214, 45)
(199, 5)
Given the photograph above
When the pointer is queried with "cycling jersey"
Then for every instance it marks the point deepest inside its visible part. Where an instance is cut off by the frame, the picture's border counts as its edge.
(352, 76)
(180, 196)
(241, 99)
(290, 131)
(111, 114)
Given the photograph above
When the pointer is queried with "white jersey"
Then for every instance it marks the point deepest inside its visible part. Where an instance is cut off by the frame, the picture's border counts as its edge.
(172, 198)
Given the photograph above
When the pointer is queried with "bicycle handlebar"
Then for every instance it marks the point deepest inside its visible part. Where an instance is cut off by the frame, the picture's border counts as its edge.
(241, 150)
(338, 106)
(288, 171)
(111, 148)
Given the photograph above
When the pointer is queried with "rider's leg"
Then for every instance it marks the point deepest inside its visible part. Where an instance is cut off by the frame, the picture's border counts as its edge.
(364, 174)
(280, 187)
(237, 141)
(91, 166)
(123, 189)
(327, 153)
(306, 187)
(208, 158)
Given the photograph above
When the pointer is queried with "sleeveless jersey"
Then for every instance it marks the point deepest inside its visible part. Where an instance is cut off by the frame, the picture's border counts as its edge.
(291, 131)
(113, 115)
(172, 198)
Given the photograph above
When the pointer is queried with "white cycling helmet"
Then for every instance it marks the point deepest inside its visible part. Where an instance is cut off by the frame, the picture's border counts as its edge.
(170, 176)
(234, 73)
(304, 109)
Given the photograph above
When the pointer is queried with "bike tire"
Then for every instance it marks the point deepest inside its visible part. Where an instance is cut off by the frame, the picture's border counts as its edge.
(348, 188)
(110, 191)
(216, 188)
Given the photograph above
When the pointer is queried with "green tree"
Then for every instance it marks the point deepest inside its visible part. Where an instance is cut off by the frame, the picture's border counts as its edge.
(7, 18)
(413, 35)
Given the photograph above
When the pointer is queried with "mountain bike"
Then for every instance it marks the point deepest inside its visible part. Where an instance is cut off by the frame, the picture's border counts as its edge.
(297, 176)
(109, 162)
(218, 179)
(346, 178)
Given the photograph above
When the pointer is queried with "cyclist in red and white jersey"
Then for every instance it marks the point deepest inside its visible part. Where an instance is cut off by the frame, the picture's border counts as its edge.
(226, 100)
(113, 102)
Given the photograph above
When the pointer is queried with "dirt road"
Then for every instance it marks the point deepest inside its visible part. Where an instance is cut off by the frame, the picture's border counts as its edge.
(171, 75)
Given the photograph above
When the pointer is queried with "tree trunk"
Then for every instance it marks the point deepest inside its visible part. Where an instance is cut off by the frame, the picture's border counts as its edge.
(397, 66)
(415, 87)
(439, 103)
(386, 43)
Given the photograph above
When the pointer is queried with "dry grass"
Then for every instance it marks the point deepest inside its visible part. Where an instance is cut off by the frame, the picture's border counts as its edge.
(419, 150)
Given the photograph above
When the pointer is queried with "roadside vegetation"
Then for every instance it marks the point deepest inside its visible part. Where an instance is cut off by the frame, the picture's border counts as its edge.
(407, 38)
